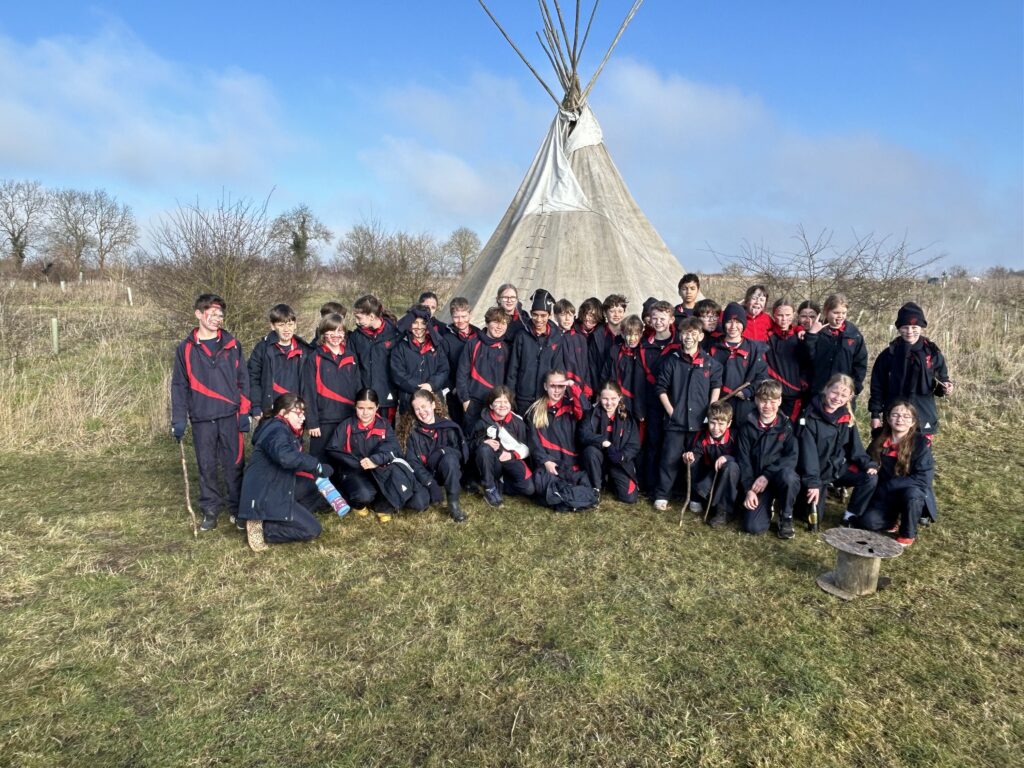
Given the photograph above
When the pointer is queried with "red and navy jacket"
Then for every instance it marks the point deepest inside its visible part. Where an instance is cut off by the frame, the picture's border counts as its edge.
(531, 358)
(707, 450)
(428, 442)
(680, 313)
(209, 384)
(602, 341)
(651, 350)
(688, 382)
(625, 368)
(275, 370)
(513, 424)
(921, 471)
(483, 366)
(622, 433)
(557, 441)
(413, 364)
(329, 385)
(576, 357)
(353, 441)
(912, 373)
(373, 351)
(742, 363)
(829, 444)
(518, 322)
(453, 342)
(758, 328)
(837, 351)
(765, 450)
(786, 357)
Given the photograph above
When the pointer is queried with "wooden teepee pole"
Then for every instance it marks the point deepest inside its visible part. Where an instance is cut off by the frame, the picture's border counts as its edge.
(625, 23)
(521, 56)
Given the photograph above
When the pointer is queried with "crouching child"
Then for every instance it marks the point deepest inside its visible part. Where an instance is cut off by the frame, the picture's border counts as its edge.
(716, 471)
(767, 452)
(436, 451)
(611, 442)
(500, 449)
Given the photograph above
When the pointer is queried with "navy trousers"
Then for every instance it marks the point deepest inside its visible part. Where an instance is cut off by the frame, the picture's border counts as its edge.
(219, 447)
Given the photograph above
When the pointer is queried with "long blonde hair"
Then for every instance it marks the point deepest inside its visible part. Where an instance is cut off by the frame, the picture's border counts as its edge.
(846, 381)
(537, 413)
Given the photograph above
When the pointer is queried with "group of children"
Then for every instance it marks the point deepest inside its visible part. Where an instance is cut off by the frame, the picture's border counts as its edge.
(740, 411)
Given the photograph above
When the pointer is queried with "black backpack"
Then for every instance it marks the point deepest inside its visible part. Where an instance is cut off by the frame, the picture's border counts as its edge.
(562, 496)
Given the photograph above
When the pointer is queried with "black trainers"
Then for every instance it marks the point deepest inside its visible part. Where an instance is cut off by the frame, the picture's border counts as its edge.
(786, 528)
(455, 510)
(493, 497)
(209, 521)
(718, 519)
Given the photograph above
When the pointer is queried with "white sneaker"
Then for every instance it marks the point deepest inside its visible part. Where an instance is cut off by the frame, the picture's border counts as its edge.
(696, 507)
(661, 504)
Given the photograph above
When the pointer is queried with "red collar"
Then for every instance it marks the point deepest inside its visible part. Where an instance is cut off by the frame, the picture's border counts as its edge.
(294, 431)
(506, 420)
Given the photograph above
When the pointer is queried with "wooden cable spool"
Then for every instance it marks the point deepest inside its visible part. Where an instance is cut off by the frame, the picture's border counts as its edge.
(858, 562)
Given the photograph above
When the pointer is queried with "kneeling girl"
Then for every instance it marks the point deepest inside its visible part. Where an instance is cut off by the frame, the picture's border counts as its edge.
(436, 451)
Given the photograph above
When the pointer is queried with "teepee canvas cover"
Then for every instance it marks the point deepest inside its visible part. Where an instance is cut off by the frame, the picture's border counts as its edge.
(573, 227)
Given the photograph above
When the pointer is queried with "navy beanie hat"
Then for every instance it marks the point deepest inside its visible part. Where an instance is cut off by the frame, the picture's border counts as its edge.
(734, 311)
(910, 314)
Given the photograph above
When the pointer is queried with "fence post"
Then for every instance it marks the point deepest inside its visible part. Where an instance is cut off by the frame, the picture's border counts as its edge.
(81, 277)
(130, 302)
(63, 287)
(54, 335)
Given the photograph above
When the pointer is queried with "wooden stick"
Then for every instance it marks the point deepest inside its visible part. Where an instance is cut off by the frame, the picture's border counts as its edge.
(188, 494)
(565, 33)
(625, 23)
(521, 56)
(686, 502)
(711, 495)
(576, 37)
(736, 391)
(586, 33)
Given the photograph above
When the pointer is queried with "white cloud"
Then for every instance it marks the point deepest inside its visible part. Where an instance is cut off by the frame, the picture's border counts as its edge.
(109, 107)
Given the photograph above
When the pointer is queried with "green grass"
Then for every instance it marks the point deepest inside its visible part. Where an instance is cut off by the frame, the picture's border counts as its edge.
(523, 638)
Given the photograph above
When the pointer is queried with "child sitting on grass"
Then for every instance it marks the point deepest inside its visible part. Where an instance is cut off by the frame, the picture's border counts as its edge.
(611, 443)
(716, 473)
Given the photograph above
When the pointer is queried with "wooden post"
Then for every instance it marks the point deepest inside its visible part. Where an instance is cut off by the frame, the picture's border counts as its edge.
(81, 277)
(858, 562)
(63, 287)
(130, 302)
(34, 285)
(55, 335)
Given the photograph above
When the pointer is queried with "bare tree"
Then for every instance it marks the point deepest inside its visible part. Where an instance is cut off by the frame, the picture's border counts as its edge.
(69, 230)
(114, 229)
(880, 270)
(460, 250)
(299, 233)
(22, 212)
(227, 250)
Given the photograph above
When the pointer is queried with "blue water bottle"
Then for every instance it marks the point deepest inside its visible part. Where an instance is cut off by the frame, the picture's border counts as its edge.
(334, 498)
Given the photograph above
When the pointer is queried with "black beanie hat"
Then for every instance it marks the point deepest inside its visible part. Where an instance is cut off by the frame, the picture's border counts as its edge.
(415, 311)
(910, 314)
(542, 301)
(651, 301)
(734, 311)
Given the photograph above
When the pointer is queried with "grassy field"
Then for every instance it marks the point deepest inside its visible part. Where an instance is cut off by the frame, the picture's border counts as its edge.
(523, 638)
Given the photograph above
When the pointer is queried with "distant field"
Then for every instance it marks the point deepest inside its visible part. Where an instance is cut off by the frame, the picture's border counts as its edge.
(523, 638)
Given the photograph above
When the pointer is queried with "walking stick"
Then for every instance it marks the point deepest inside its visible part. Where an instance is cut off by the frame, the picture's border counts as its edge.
(711, 495)
(736, 391)
(188, 495)
(686, 503)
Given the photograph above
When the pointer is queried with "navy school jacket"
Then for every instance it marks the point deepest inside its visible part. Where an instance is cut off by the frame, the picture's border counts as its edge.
(602, 341)
(576, 358)
(840, 351)
(912, 373)
(707, 449)
(513, 423)
(741, 364)
(651, 350)
(688, 383)
(623, 433)
(921, 475)
(786, 358)
(376, 441)
(624, 366)
(829, 443)
(764, 450)
(531, 358)
(206, 386)
(329, 385)
(453, 342)
(373, 352)
(274, 370)
(427, 442)
(268, 485)
(482, 367)
(518, 322)
(557, 441)
(415, 364)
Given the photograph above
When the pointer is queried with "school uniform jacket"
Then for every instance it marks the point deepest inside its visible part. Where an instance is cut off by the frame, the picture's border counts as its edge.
(557, 441)
(912, 373)
(531, 358)
(518, 322)
(742, 363)
(275, 370)
(837, 351)
(707, 450)
(576, 357)
(764, 450)
(625, 368)
(512, 423)
(205, 385)
(443, 435)
(688, 382)
(829, 443)
(602, 342)
(482, 367)
(376, 441)
(622, 433)
(329, 385)
(268, 486)
(453, 342)
(921, 474)
(413, 364)
(786, 357)
(373, 352)
(651, 351)
(680, 313)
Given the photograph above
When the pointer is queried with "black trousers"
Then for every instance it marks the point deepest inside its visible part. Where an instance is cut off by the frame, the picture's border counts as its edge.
(650, 452)
(861, 482)
(783, 486)
(219, 447)
(302, 527)
(673, 446)
(516, 476)
(447, 471)
(727, 484)
(896, 501)
(597, 466)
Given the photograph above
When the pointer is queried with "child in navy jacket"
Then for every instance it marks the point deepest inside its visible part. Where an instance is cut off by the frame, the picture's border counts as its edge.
(275, 365)
(611, 443)
(210, 390)
(330, 380)
(436, 451)
(786, 357)
(417, 360)
(836, 347)
(742, 360)
(500, 448)
(454, 338)
(535, 351)
(716, 472)
(483, 366)
(372, 341)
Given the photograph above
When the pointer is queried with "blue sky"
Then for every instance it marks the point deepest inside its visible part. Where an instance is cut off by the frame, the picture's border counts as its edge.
(731, 122)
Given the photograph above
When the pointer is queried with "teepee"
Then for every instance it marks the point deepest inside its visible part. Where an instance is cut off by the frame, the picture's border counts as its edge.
(573, 227)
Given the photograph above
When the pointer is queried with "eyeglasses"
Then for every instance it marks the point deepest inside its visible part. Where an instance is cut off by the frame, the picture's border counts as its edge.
(509, 298)
(901, 417)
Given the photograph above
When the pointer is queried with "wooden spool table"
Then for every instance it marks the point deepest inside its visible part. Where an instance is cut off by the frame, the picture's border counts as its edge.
(859, 560)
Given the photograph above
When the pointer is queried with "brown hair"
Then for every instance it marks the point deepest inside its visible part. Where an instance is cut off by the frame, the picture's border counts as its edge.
(621, 412)
(905, 447)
